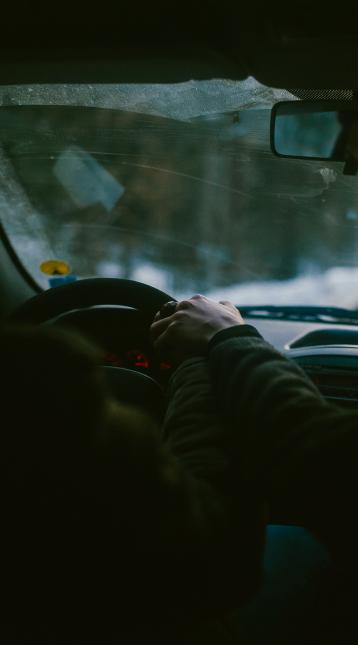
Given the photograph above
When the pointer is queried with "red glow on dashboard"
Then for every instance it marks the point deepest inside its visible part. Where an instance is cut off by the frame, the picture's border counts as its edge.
(139, 360)
(135, 359)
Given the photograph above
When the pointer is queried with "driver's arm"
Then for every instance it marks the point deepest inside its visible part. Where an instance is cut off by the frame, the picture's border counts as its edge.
(302, 450)
(226, 560)
(288, 441)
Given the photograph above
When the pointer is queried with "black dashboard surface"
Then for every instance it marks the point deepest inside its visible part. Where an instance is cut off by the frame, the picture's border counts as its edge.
(122, 334)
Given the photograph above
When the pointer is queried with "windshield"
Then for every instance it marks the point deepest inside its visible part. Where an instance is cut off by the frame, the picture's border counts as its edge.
(174, 186)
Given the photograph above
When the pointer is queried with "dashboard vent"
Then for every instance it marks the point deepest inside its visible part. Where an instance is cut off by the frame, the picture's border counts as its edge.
(326, 337)
(337, 386)
(336, 376)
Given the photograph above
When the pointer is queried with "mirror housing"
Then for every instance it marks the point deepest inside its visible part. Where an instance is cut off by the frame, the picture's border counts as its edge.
(321, 130)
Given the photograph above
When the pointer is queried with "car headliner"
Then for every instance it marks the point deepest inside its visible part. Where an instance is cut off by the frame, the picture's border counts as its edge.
(297, 44)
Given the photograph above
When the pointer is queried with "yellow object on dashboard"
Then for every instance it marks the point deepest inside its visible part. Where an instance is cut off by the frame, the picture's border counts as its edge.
(55, 267)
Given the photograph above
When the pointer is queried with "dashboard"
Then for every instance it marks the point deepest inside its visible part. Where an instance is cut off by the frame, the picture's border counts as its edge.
(139, 359)
(122, 335)
(328, 353)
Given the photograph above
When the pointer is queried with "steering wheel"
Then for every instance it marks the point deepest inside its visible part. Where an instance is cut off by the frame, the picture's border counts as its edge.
(127, 385)
(89, 293)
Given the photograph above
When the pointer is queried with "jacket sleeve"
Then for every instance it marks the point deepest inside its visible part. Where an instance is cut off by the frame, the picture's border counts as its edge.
(227, 557)
(289, 442)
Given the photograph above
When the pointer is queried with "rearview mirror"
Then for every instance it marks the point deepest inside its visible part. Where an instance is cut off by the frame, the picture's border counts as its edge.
(316, 130)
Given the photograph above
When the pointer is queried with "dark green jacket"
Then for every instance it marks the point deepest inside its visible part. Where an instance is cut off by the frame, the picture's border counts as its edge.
(297, 449)
(221, 556)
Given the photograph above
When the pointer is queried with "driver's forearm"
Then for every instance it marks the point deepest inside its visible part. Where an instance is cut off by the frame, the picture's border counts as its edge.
(193, 429)
(232, 517)
(269, 398)
(300, 449)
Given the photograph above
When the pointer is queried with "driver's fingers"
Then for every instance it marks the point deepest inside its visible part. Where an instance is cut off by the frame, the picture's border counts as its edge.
(234, 309)
(164, 341)
(166, 310)
(227, 303)
(158, 327)
(161, 342)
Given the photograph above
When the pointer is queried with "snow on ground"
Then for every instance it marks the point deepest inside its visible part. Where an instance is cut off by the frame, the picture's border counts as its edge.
(335, 287)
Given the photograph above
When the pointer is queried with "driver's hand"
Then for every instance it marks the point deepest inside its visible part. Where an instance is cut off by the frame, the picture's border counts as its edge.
(193, 324)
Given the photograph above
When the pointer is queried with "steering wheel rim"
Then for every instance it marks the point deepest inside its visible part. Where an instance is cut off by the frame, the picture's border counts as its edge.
(89, 293)
(128, 386)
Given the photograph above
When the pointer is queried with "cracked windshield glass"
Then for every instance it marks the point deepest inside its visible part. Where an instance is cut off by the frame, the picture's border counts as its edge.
(174, 186)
